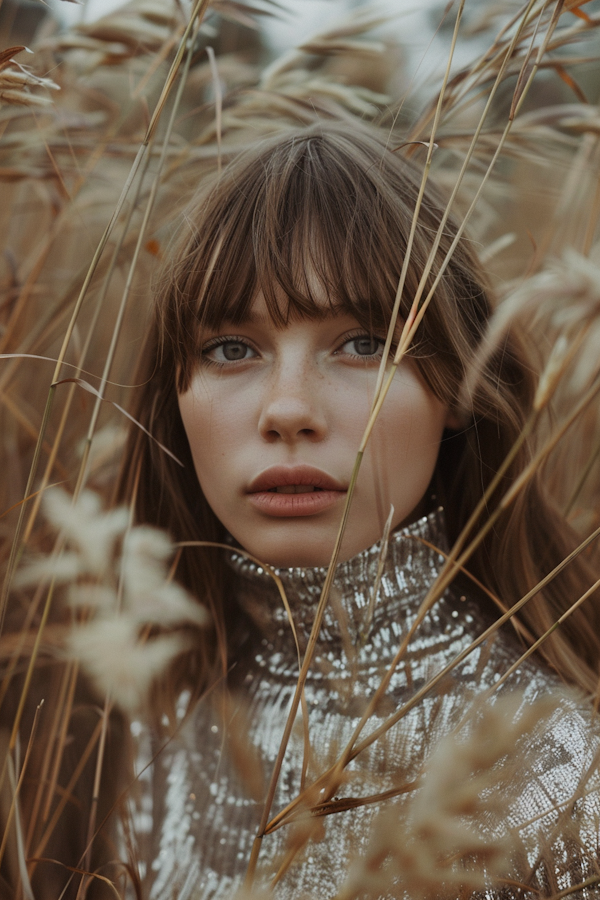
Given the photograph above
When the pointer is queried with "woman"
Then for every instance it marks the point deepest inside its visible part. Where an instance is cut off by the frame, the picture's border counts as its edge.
(259, 372)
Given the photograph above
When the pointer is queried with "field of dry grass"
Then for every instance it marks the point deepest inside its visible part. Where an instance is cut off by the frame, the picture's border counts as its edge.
(104, 132)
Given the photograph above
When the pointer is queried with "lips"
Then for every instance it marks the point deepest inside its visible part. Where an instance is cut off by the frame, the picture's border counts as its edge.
(294, 491)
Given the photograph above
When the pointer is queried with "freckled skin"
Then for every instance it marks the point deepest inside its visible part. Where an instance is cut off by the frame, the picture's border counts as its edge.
(267, 396)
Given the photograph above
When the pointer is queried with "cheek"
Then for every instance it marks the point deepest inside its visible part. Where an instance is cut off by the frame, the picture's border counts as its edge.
(218, 420)
(405, 444)
(204, 427)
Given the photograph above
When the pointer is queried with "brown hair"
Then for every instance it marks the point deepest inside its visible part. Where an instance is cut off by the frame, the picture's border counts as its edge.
(332, 206)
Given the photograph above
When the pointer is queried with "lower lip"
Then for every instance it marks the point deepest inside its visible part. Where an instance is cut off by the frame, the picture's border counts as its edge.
(273, 503)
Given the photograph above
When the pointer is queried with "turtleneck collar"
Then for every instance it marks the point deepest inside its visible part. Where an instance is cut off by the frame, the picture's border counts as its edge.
(411, 564)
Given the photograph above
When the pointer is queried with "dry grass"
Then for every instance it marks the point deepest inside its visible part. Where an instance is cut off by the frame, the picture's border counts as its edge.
(94, 162)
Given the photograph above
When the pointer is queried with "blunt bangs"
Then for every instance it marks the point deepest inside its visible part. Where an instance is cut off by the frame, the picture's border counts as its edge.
(306, 224)
(318, 222)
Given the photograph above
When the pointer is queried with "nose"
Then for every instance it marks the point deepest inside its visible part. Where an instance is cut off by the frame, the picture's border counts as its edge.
(292, 409)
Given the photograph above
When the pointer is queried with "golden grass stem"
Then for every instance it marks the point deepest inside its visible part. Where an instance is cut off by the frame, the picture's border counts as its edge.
(378, 402)
(413, 225)
(423, 691)
(417, 312)
(16, 544)
(17, 412)
(212, 59)
(582, 480)
(437, 589)
(448, 572)
(312, 641)
(95, 793)
(64, 715)
(77, 871)
(452, 566)
(378, 576)
(271, 572)
(267, 568)
(592, 223)
(134, 261)
(519, 627)
(26, 291)
(71, 394)
(28, 676)
(197, 14)
(10, 669)
(66, 795)
(116, 330)
(544, 637)
(288, 859)
(409, 329)
(43, 773)
(343, 804)
(11, 811)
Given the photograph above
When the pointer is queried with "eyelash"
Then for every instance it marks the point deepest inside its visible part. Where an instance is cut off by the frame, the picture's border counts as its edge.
(364, 334)
(218, 342)
(234, 339)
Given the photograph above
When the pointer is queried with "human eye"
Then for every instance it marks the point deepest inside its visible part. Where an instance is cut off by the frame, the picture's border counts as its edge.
(226, 350)
(363, 346)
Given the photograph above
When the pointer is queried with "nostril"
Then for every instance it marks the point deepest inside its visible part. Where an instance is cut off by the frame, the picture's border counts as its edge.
(290, 419)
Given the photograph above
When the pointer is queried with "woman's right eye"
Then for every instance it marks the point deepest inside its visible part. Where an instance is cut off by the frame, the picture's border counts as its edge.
(228, 350)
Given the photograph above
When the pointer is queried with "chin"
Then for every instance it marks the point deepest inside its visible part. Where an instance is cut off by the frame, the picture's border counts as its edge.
(283, 551)
(303, 550)
(291, 557)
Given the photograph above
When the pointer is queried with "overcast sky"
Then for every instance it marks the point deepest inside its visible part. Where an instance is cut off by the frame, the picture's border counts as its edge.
(301, 18)
(413, 23)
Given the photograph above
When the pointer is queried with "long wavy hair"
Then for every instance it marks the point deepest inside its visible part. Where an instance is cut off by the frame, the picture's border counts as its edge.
(331, 207)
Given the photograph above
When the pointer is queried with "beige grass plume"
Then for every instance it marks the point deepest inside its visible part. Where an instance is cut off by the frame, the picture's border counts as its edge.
(128, 615)
(439, 843)
(18, 82)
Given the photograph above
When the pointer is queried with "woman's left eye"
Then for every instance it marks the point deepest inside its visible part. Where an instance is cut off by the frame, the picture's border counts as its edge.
(363, 345)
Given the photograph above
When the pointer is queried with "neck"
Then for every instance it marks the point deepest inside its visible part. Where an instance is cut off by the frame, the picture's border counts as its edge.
(354, 617)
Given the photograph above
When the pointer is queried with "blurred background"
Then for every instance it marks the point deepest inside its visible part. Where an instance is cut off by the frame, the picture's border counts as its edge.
(292, 21)
(419, 26)
(269, 28)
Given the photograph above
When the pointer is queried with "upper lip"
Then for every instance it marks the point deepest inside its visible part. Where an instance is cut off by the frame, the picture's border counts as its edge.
(281, 476)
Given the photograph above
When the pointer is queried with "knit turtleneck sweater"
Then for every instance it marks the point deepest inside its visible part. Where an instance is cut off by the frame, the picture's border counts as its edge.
(202, 801)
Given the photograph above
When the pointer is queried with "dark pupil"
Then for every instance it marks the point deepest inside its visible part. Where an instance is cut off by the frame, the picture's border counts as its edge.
(366, 346)
(234, 351)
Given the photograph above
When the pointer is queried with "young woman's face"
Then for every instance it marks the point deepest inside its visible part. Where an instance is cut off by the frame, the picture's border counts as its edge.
(274, 418)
